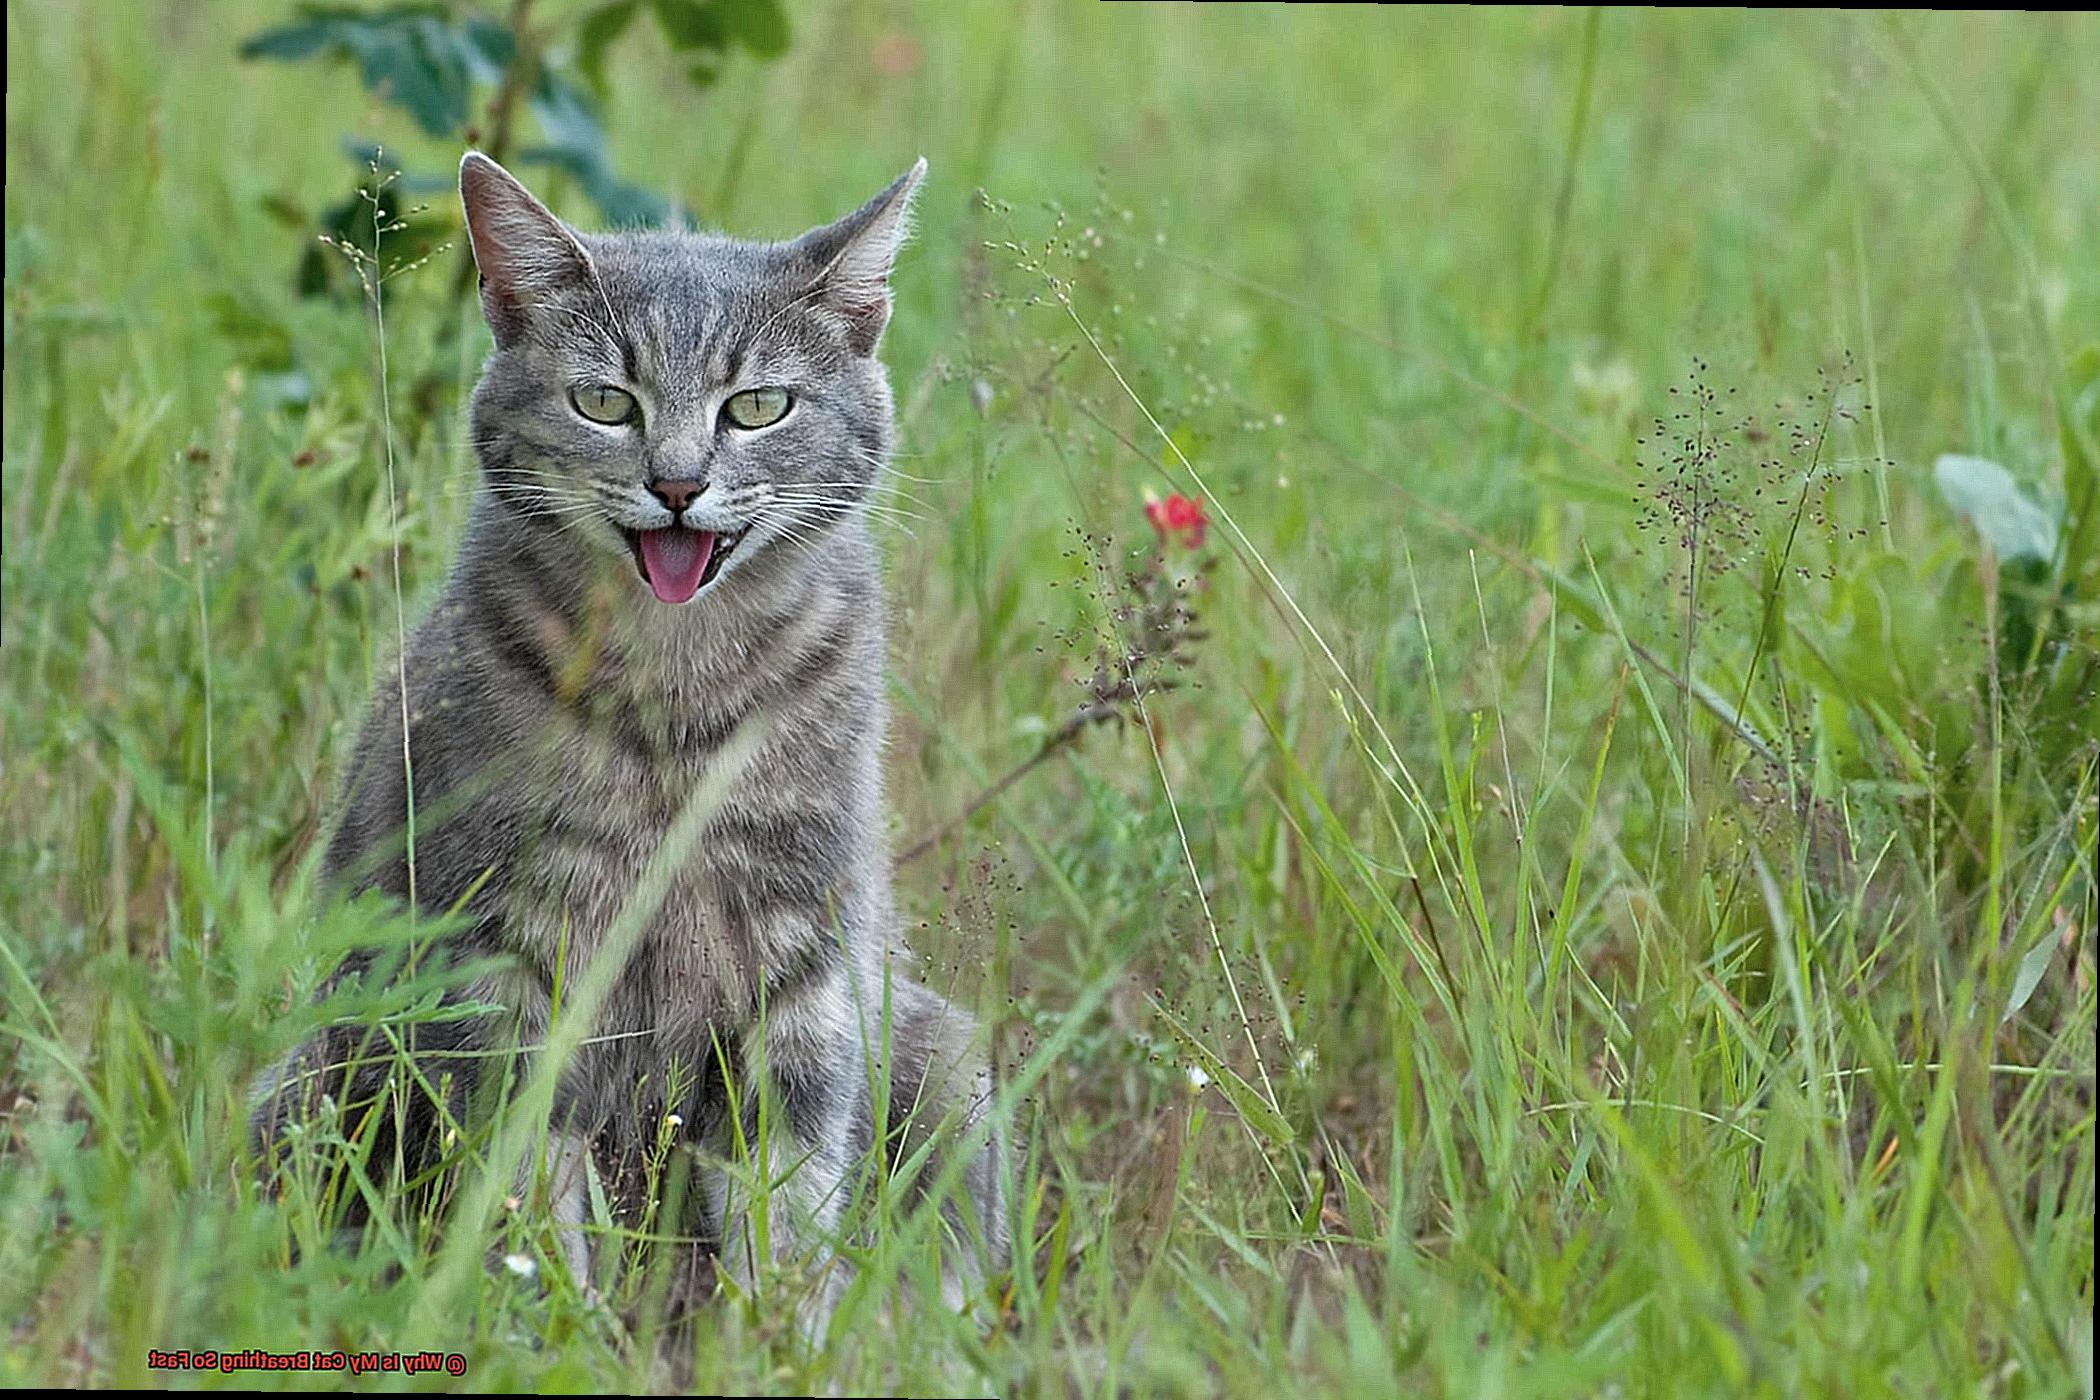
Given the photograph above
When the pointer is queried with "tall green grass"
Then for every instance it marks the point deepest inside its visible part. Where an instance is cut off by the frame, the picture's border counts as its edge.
(1605, 908)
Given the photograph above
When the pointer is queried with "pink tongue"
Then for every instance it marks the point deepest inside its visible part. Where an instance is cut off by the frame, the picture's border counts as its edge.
(675, 559)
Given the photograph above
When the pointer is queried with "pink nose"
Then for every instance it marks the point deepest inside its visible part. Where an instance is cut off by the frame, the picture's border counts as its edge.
(675, 494)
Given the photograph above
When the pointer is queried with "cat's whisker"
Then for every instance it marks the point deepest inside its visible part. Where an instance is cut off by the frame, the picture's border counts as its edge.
(533, 506)
(790, 519)
(472, 488)
(554, 504)
(516, 469)
(834, 511)
(877, 485)
(825, 512)
(539, 480)
(870, 487)
(846, 505)
(881, 466)
(807, 544)
(884, 480)
(885, 463)
(530, 491)
(561, 521)
(874, 510)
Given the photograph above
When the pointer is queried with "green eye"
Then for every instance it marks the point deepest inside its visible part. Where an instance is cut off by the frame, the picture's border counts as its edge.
(602, 403)
(757, 408)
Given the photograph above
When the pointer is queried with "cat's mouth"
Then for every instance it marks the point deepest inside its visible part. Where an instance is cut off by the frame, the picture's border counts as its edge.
(677, 563)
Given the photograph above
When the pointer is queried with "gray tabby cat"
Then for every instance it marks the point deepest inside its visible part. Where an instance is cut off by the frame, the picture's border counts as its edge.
(678, 435)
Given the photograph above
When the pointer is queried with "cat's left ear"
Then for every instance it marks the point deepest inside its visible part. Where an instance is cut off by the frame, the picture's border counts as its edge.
(853, 258)
(521, 250)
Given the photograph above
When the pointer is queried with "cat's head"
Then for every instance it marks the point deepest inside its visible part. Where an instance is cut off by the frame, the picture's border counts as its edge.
(685, 400)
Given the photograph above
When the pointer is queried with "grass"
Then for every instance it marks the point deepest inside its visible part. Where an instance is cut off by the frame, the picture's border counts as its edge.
(1607, 909)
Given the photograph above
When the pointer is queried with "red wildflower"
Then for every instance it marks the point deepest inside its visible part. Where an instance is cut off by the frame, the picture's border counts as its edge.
(1178, 519)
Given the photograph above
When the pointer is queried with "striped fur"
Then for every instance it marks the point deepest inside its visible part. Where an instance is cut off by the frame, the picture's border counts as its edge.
(559, 715)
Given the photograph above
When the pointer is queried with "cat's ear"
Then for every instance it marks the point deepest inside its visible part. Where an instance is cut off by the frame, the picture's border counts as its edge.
(853, 258)
(522, 250)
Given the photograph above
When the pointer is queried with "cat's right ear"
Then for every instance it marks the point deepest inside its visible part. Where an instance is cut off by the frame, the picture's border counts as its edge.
(854, 258)
(521, 249)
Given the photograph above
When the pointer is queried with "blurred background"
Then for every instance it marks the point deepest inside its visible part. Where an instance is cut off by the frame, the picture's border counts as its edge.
(1574, 877)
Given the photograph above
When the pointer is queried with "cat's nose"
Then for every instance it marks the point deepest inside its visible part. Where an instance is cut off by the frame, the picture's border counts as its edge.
(675, 494)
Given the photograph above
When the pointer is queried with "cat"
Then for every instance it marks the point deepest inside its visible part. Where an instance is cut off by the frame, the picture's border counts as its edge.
(667, 556)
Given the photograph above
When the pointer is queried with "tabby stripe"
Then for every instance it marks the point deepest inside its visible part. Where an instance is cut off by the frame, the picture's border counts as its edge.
(652, 733)
(625, 723)
(516, 650)
(754, 898)
(811, 1093)
(763, 889)
(559, 825)
(809, 842)
(704, 732)
(807, 965)
(820, 659)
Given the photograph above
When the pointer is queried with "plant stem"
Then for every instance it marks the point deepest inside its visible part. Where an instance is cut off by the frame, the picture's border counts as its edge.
(1087, 715)
(517, 78)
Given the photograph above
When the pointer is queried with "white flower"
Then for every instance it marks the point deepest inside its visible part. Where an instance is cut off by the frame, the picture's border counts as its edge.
(1611, 390)
(521, 1265)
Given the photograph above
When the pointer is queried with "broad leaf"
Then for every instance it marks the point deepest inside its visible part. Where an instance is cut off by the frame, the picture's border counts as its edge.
(1985, 494)
(600, 28)
(2032, 967)
(575, 143)
(490, 48)
(759, 25)
(690, 24)
(698, 28)
(410, 54)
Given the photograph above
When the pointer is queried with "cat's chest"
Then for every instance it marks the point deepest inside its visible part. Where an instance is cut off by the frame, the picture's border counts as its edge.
(603, 857)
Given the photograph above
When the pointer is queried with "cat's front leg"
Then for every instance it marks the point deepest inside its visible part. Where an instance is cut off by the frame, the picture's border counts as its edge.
(803, 1158)
(567, 1181)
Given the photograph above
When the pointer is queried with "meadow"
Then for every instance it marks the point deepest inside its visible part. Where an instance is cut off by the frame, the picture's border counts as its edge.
(1580, 882)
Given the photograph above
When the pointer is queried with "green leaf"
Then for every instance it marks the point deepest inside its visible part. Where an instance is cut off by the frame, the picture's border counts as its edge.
(412, 55)
(575, 143)
(1986, 495)
(1244, 1096)
(759, 25)
(690, 24)
(490, 48)
(322, 272)
(567, 119)
(323, 28)
(600, 28)
(259, 339)
(2030, 975)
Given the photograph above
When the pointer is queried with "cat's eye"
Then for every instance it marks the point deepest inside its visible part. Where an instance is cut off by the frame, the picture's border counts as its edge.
(757, 408)
(602, 403)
